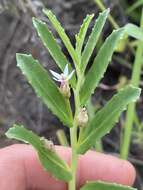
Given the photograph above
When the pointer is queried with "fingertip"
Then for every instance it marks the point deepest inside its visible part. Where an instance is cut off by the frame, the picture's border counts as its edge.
(98, 166)
(129, 173)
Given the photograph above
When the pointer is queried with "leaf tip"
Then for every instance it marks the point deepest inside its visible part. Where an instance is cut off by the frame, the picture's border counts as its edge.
(18, 58)
(47, 11)
(34, 21)
(7, 133)
(106, 12)
(11, 129)
(21, 57)
(18, 55)
(136, 89)
(91, 15)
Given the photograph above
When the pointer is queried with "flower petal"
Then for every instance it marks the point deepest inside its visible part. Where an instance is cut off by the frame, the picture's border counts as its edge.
(56, 79)
(66, 70)
(70, 75)
(56, 75)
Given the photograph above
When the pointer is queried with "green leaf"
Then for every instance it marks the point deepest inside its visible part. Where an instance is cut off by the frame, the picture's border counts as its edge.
(105, 118)
(62, 34)
(99, 185)
(93, 38)
(45, 88)
(134, 31)
(100, 64)
(48, 157)
(82, 33)
(52, 46)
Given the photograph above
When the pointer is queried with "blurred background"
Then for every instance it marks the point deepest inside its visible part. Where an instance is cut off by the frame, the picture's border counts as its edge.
(18, 102)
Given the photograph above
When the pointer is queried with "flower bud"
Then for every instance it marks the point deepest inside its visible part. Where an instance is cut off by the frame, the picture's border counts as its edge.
(65, 89)
(82, 117)
(48, 144)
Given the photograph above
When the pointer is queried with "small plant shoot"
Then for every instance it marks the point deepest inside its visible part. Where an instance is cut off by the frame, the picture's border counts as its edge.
(54, 89)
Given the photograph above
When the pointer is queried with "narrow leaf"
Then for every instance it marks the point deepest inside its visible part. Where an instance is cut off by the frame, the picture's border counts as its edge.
(45, 88)
(104, 119)
(93, 38)
(99, 185)
(52, 46)
(100, 64)
(62, 34)
(48, 157)
(82, 33)
(134, 31)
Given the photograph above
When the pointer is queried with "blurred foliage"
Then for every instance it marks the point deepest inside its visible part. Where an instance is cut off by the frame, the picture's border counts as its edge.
(16, 6)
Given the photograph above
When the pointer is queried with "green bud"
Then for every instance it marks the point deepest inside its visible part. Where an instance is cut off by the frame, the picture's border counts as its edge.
(65, 89)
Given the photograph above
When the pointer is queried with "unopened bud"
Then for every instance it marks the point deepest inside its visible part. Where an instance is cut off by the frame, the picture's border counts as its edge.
(82, 117)
(65, 89)
(48, 144)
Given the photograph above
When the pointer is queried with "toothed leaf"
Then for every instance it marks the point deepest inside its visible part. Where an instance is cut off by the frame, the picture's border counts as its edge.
(100, 64)
(104, 119)
(52, 46)
(45, 88)
(48, 157)
(56, 24)
(93, 38)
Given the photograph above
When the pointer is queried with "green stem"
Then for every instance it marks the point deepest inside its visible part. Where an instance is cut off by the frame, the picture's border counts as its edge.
(98, 146)
(73, 135)
(62, 137)
(131, 108)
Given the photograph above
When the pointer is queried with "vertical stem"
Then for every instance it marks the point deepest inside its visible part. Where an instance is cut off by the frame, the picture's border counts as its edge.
(98, 146)
(62, 137)
(73, 136)
(131, 108)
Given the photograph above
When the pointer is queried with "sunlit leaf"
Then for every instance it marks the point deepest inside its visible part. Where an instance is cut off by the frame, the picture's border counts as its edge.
(48, 157)
(45, 88)
(100, 64)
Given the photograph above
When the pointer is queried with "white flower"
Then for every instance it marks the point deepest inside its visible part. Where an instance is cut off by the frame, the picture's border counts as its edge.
(63, 77)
